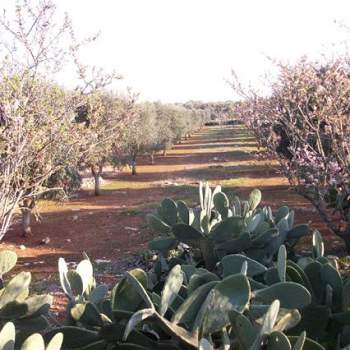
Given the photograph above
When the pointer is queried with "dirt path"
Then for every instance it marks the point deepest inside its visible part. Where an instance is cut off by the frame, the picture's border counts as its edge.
(112, 226)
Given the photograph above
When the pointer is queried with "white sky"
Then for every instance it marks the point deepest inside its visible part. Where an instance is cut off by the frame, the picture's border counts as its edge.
(176, 50)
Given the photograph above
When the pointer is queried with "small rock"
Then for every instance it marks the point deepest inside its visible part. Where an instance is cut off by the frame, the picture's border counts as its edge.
(75, 217)
(22, 247)
(68, 240)
(102, 261)
(46, 240)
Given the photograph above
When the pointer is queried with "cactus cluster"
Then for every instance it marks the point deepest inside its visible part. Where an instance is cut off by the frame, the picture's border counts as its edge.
(244, 305)
(194, 309)
(247, 300)
(218, 227)
(133, 316)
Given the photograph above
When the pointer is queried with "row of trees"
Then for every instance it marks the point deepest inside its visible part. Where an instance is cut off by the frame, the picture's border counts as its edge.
(217, 112)
(155, 128)
(48, 132)
(305, 123)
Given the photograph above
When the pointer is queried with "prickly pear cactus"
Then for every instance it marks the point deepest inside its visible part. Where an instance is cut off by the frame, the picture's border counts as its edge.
(326, 318)
(28, 313)
(33, 342)
(219, 228)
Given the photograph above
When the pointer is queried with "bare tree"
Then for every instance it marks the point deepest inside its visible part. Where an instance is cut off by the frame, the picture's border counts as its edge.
(305, 124)
(38, 130)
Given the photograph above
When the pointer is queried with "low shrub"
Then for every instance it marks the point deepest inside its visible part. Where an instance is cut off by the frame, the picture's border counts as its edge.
(67, 180)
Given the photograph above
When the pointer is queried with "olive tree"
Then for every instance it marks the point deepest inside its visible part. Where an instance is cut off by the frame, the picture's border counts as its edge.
(139, 137)
(176, 122)
(104, 117)
(154, 127)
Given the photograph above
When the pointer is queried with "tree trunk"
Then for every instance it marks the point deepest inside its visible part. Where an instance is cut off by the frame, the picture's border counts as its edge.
(96, 173)
(133, 164)
(164, 152)
(133, 167)
(26, 209)
(26, 219)
(343, 234)
(152, 158)
(97, 179)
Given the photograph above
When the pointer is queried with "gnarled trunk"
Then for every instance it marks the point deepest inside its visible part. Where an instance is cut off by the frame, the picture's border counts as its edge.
(133, 166)
(96, 173)
(26, 209)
